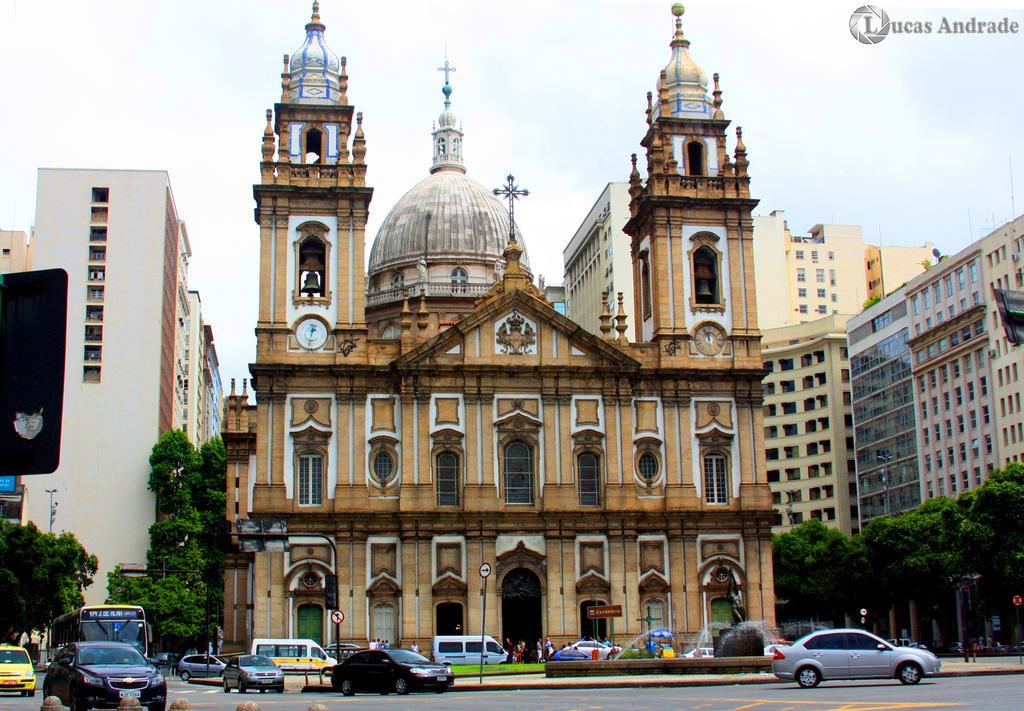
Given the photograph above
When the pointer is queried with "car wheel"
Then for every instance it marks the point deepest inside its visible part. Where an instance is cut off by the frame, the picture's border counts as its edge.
(808, 677)
(909, 673)
(440, 691)
(158, 707)
(241, 686)
(347, 687)
(227, 687)
(401, 686)
(185, 676)
(77, 703)
(280, 690)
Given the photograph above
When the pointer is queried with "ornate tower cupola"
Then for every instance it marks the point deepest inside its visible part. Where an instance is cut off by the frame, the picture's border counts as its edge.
(691, 223)
(314, 71)
(447, 132)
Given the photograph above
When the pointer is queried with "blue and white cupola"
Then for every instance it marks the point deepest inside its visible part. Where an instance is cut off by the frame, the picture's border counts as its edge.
(315, 74)
(683, 86)
(447, 133)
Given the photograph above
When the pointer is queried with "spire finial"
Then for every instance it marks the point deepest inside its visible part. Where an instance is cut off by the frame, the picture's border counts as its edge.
(511, 192)
(447, 88)
(679, 38)
(315, 17)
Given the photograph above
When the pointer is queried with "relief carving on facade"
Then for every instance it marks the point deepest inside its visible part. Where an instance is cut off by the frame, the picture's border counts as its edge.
(714, 413)
(449, 559)
(592, 558)
(316, 409)
(713, 548)
(587, 411)
(383, 560)
(516, 335)
(652, 556)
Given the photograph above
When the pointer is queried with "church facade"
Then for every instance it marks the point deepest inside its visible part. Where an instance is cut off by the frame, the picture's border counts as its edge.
(415, 422)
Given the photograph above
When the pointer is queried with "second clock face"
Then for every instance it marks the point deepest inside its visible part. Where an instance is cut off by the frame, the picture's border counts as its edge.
(709, 339)
(311, 334)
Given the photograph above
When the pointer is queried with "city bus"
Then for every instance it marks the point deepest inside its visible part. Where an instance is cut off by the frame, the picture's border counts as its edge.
(103, 623)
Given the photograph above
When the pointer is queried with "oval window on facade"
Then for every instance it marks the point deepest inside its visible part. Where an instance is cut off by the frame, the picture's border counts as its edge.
(383, 467)
(648, 467)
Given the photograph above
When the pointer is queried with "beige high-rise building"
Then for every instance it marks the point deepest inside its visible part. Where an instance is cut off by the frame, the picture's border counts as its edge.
(118, 236)
(15, 252)
(202, 386)
(1003, 268)
(597, 260)
(831, 270)
(809, 425)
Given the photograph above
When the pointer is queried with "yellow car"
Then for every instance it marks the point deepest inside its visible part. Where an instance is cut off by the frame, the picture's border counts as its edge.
(16, 671)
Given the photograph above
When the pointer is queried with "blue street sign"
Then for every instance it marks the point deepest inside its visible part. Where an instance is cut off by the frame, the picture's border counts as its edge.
(7, 483)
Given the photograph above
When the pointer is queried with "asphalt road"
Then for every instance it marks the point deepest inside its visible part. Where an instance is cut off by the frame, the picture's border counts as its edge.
(992, 693)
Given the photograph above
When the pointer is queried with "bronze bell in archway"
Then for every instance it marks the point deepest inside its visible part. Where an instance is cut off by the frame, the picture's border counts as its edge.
(704, 275)
(311, 284)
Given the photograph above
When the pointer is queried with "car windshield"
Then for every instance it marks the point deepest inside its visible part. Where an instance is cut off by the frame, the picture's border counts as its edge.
(131, 632)
(14, 656)
(111, 656)
(255, 661)
(407, 656)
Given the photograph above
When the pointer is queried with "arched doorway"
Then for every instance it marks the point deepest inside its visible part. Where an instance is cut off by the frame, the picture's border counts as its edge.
(595, 629)
(449, 618)
(521, 608)
(310, 623)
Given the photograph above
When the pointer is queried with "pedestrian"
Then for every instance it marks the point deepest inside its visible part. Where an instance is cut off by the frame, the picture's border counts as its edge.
(540, 651)
(549, 649)
(373, 643)
(415, 647)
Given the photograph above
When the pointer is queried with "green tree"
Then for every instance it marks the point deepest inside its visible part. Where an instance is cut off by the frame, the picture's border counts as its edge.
(185, 560)
(816, 571)
(42, 576)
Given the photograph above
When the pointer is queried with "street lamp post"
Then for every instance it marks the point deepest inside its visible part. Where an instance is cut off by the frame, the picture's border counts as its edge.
(53, 507)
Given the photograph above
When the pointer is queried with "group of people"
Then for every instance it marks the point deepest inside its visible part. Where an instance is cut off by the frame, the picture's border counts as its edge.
(380, 644)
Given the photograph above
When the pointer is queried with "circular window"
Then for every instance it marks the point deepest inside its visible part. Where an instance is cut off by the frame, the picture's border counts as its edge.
(383, 467)
(310, 579)
(648, 467)
(722, 575)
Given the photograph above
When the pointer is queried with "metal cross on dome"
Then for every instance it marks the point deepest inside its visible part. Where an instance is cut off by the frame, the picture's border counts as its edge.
(511, 192)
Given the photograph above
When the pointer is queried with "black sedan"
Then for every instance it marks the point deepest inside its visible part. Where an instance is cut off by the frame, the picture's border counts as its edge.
(87, 675)
(387, 670)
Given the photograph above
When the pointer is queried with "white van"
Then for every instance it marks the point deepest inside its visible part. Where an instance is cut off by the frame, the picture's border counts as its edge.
(293, 654)
(465, 649)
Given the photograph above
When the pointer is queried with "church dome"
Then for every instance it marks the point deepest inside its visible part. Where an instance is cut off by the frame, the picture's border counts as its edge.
(314, 70)
(446, 217)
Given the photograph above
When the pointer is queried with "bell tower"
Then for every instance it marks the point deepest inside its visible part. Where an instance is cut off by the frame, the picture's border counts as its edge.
(311, 205)
(690, 226)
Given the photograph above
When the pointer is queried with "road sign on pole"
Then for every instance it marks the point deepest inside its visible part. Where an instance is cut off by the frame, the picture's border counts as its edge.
(485, 571)
(337, 616)
(1018, 600)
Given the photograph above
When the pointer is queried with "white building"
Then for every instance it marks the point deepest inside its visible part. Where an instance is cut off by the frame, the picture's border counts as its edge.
(202, 386)
(118, 236)
(15, 252)
(597, 260)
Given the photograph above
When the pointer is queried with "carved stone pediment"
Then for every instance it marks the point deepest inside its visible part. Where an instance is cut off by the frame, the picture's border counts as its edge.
(518, 423)
(515, 335)
(447, 437)
(593, 584)
(714, 413)
(588, 438)
(311, 435)
(384, 586)
(314, 409)
(523, 557)
(449, 587)
(653, 582)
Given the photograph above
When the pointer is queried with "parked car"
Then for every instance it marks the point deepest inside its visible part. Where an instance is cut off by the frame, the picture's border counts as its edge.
(850, 654)
(387, 670)
(699, 652)
(342, 650)
(589, 646)
(568, 654)
(87, 675)
(195, 665)
(465, 649)
(252, 671)
(16, 671)
(293, 654)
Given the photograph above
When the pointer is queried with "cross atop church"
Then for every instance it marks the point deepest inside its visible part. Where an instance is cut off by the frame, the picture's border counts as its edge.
(511, 192)
(447, 69)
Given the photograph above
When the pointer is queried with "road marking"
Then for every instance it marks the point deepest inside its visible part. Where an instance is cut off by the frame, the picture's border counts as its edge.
(843, 706)
(748, 706)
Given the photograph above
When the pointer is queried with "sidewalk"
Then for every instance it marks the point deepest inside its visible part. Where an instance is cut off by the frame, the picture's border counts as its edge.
(516, 682)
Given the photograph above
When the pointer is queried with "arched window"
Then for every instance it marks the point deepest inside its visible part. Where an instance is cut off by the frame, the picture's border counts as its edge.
(695, 158)
(312, 266)
(705, 276)
(518, 473)
(654, 614)
(314, 145)
(460, 277)
(716, 480)
(456, 148)
(385, 623)
(589, 476)
(647, 467)
(397, 280)
(447, 479)
(310, 483)
(383, 466)
(645, 285)
(392, 332)
(442, 147)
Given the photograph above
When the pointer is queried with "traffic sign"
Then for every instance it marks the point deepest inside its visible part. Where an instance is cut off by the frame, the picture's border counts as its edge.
(1018, 600)
(485, 570)
(863, 612)
(600, 612)
(337, 616)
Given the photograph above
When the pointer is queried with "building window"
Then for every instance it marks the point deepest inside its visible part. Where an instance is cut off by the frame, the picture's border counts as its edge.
(589, 475)
(101, 194)
(460, 277)
(819, 276)
(715, 479)
(311, 479)
(447, 479)
(518, 473)
(801, 274)
(645, 284)
(800, 254)
(695, 158)
(647, 467)
(383, 466)
(312, 262)
(314, 145)
(705, 275)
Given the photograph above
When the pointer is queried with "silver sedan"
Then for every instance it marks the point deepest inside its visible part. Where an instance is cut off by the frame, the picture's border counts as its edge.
(850, 654)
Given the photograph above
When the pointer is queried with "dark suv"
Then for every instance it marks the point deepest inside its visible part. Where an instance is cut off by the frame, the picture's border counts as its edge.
(87, 675)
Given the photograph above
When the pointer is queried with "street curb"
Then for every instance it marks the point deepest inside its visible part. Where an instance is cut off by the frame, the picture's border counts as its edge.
(639, 683)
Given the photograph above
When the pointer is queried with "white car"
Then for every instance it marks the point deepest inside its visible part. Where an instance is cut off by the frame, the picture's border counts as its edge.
(587, 646)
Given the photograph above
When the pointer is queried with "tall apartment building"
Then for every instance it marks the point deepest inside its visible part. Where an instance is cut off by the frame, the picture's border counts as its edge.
(118, 235)
(597, 260)
(884, 404)
(15, 252)
(202, 386)
(809, 425)
(829, 271)
(1003, 268)
(957, 429)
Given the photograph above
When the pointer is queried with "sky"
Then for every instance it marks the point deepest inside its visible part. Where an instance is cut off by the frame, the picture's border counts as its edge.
(912, 138)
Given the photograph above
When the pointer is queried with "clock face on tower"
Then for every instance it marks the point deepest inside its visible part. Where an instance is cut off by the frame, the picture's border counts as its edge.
(311, 334)
(709, 339)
